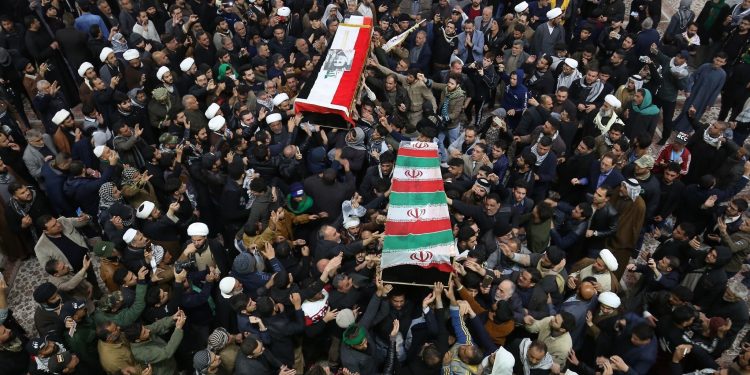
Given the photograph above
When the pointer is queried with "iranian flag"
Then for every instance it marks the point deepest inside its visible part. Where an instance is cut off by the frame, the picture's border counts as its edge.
(418, 230)
(328, 96)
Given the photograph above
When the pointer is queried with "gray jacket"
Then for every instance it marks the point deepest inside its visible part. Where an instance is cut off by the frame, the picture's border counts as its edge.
(34, 159)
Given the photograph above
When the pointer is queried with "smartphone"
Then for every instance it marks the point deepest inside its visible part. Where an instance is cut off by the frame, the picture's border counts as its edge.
(487, 281)
(79, 212)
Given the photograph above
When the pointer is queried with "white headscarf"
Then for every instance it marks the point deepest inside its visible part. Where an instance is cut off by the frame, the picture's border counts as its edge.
(633, 187)
(324, 18)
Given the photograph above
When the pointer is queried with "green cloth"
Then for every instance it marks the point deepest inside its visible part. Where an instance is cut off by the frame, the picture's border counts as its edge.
(83, 343)
(301, 207)
(537, 234)
(223, 71)
(128, 316)
(713, 14)
(647, 108)
(155, 351)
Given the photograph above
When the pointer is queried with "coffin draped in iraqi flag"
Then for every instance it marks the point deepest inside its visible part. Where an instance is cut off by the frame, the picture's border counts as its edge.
(329, 94)
(418, 227)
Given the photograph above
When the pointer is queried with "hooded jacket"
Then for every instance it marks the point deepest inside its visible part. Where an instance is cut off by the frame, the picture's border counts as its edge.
(517, 96)
(708, 281)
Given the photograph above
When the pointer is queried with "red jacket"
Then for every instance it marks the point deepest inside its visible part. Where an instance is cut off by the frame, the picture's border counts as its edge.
(665, 157)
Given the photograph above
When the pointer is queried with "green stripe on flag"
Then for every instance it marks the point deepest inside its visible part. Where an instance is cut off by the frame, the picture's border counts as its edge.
(417, 241)
(417, 199)
(407, 161)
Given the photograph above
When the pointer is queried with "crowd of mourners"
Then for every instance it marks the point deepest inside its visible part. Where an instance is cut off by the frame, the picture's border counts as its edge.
(187, 220)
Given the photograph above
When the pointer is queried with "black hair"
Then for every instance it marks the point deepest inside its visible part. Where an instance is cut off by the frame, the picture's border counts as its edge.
(51, 266)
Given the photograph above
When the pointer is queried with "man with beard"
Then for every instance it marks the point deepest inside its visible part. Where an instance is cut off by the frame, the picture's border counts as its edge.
(601, 269)
(205, 51)
(545, 167)
(523, 168)
(491, 211)
(585, 93)
(707, 80)
(167, 81)
(607, 140)
(247, 77)
(604, 118)
(125, 113)
(670, 192)
(396, 95)
(541, 81)
(158, 226)
(569, 73)
(135, 74)
(130, 144)
(189, 69)
(713, 149)
(112, 67)
(46, 319)
(548, 34)
(576, 165)
(551, 129)
(570, 225)
(536, 114)
(48, 102)
(382, 171)
(195, 117)
(62, 241)
(443, 46)
(650, 189)
(632, 214)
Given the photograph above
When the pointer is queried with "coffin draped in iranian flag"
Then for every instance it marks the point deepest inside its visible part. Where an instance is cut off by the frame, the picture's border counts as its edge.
(329, 94)
(418, 230)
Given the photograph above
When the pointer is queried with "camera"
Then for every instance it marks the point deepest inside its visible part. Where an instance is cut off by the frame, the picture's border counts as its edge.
(188, 264)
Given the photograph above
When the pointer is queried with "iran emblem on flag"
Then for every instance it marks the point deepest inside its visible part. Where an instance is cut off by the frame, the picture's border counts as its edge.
(418, 227)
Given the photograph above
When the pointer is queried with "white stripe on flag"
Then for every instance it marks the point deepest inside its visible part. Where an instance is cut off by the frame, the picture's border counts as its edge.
(423, 257)
(424, 213)
(417, 174)
(418, 145)
(327, 84)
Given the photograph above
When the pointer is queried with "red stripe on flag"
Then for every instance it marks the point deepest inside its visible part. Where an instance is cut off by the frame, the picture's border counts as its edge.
(442, 267)
(416, 186)
(417, 153)
(350, 79)
(403, 228)
(306, 107)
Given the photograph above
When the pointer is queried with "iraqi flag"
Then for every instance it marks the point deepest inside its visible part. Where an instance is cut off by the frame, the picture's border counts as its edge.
(329, 95)
(418, 228)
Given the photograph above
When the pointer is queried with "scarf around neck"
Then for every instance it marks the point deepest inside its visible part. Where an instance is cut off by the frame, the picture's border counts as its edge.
(646, 108)
(595, 89)
(449, 97)
(566, 81)
(539, 158)
(544, 364)
(713, 142)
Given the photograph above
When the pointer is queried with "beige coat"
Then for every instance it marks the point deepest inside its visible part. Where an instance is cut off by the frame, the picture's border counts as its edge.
(46, 249)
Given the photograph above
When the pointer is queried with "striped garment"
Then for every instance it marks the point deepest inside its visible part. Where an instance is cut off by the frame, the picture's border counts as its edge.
(418, 230)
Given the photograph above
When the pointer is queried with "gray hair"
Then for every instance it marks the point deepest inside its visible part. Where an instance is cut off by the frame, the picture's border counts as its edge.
(518, 42)
(41, 84)
(186, 98)
(32, 134)
(647, 23)
(738, 289)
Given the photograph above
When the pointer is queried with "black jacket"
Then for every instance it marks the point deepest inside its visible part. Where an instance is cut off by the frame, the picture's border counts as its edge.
(604, 222)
